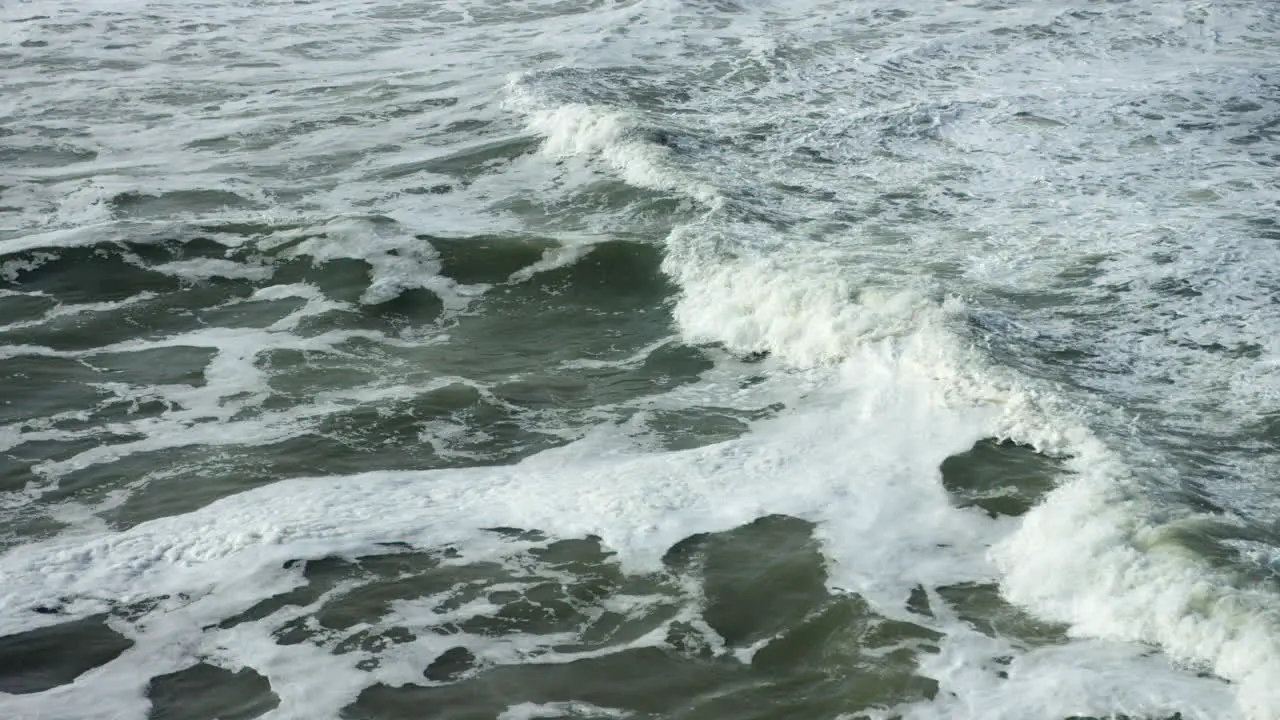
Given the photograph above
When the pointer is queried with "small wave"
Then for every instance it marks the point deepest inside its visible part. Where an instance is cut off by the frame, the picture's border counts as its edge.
(1091, 555)
(397, 261)
(618, 140)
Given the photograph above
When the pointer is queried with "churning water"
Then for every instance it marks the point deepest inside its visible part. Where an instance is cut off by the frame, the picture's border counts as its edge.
(682, 359)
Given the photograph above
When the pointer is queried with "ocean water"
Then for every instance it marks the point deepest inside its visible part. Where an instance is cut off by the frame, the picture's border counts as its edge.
(688, 359)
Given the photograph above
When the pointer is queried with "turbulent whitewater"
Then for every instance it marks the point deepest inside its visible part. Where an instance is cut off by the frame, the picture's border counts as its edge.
(640, 358)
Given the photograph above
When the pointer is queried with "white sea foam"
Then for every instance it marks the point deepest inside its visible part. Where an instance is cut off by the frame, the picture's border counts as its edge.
(533, 711)
(1092, 555)
(1088, 555)
(984, 677)
(552, 259)
(1004, 161)
(64, 310)
(397, 262)
(840, 462)
(615, 138)
(221, 411)
(1084, 556)
(802, 309)
(206, 268)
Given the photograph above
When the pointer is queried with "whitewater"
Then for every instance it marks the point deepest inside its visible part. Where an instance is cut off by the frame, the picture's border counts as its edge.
(640, 358)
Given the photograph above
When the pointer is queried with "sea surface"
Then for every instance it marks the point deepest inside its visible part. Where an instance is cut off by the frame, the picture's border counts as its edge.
(670, 359)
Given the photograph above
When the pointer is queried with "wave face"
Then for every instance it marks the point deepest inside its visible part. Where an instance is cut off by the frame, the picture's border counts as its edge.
(647, 358)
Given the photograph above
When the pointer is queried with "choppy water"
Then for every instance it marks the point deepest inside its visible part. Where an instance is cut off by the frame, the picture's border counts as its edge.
(649, 359)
